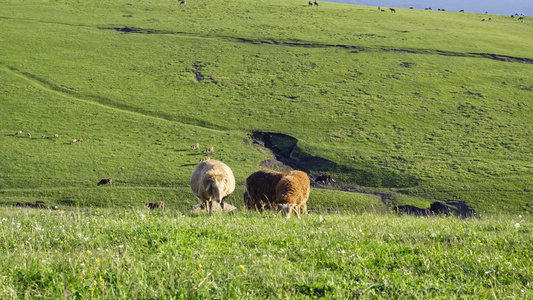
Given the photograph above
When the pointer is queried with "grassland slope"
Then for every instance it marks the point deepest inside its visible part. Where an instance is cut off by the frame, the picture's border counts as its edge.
(422, 105)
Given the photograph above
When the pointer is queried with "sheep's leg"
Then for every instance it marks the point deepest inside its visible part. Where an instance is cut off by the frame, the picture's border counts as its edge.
(222, 205)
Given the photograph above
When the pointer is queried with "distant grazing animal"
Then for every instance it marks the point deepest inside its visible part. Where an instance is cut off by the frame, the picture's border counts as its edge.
(316, 3)
(462, 10)
(483, 20)
(195, 146)
(56, 136)
(205, 158)
(293, 188)
(392, 10)
(105, 181)
(209, 149)
(29, 135)
(182, 2)
(18, 132)
(512, 16)
(154, 205)
(80, 140)
(325, 179)
(42, 136)
(212, 180)
(261, 189)
(490, 19)
(521, 18)
(383, 10)
(73, 141)
(310, 3)
(379, 7)
(411, 7)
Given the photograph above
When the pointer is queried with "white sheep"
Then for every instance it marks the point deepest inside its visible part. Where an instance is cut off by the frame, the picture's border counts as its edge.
(209, 149)
(212, 180)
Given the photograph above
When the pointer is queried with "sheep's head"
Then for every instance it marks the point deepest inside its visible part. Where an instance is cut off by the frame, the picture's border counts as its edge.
(216, 188)
(286, 210)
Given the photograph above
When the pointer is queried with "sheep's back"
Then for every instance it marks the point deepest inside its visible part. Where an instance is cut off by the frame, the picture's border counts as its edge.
(209, 171)
(261, 186)
(293, 188)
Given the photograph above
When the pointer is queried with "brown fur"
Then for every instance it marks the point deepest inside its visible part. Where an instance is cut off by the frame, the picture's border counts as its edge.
(106, 181)
(18, 132)
(205, 158)
(195, 146)
(325, 179)
(294, 188)
(261, 188)
(209, 149)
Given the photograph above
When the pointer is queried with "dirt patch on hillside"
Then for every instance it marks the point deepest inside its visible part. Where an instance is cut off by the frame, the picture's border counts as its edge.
(285, 159)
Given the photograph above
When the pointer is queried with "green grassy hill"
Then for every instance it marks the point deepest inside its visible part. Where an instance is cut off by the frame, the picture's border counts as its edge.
(418, 105)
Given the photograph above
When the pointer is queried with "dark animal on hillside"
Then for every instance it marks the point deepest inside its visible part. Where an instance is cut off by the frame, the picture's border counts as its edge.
(182, 2)
(512, 16)
(462, 10)
(490, 19)
(483, 20)
(261, 189)
(521, 18)
(316, 3)
(324, 179)
(310, 3)
(392, 10)
(154, 205)
(106, 181)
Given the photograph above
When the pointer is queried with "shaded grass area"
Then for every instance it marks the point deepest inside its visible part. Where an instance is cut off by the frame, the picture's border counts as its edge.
(407, 104)
(135, 253)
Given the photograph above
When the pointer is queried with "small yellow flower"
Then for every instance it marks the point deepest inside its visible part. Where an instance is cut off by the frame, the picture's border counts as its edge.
(102, 284)
(88, 251)
(61, 242)
(101, 279)
(358, 249)
(199, 265)
(134, 238)
(90, 289)
(242, 267)
(97, 260)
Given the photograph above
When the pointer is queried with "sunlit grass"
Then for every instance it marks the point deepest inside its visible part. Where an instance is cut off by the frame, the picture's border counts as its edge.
(125, 253)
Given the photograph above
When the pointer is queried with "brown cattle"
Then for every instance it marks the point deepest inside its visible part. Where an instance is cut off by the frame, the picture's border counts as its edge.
(106, 181)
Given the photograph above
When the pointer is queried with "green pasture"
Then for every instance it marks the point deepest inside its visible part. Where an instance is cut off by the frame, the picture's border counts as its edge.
(421, 105)
(124, 253)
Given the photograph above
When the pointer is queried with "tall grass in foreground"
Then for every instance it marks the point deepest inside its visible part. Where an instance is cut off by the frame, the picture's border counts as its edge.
(121, 253)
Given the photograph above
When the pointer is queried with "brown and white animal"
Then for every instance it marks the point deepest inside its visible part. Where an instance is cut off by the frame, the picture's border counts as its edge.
(205, 158)
(18, 132)
(195, 146)
(324, 179)
(154, 205)
(293, 188)
(56, 136)
(106, 181)
(73, 141)
(392, 10)
(212, 180)
(209, 149)
(261, 189)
